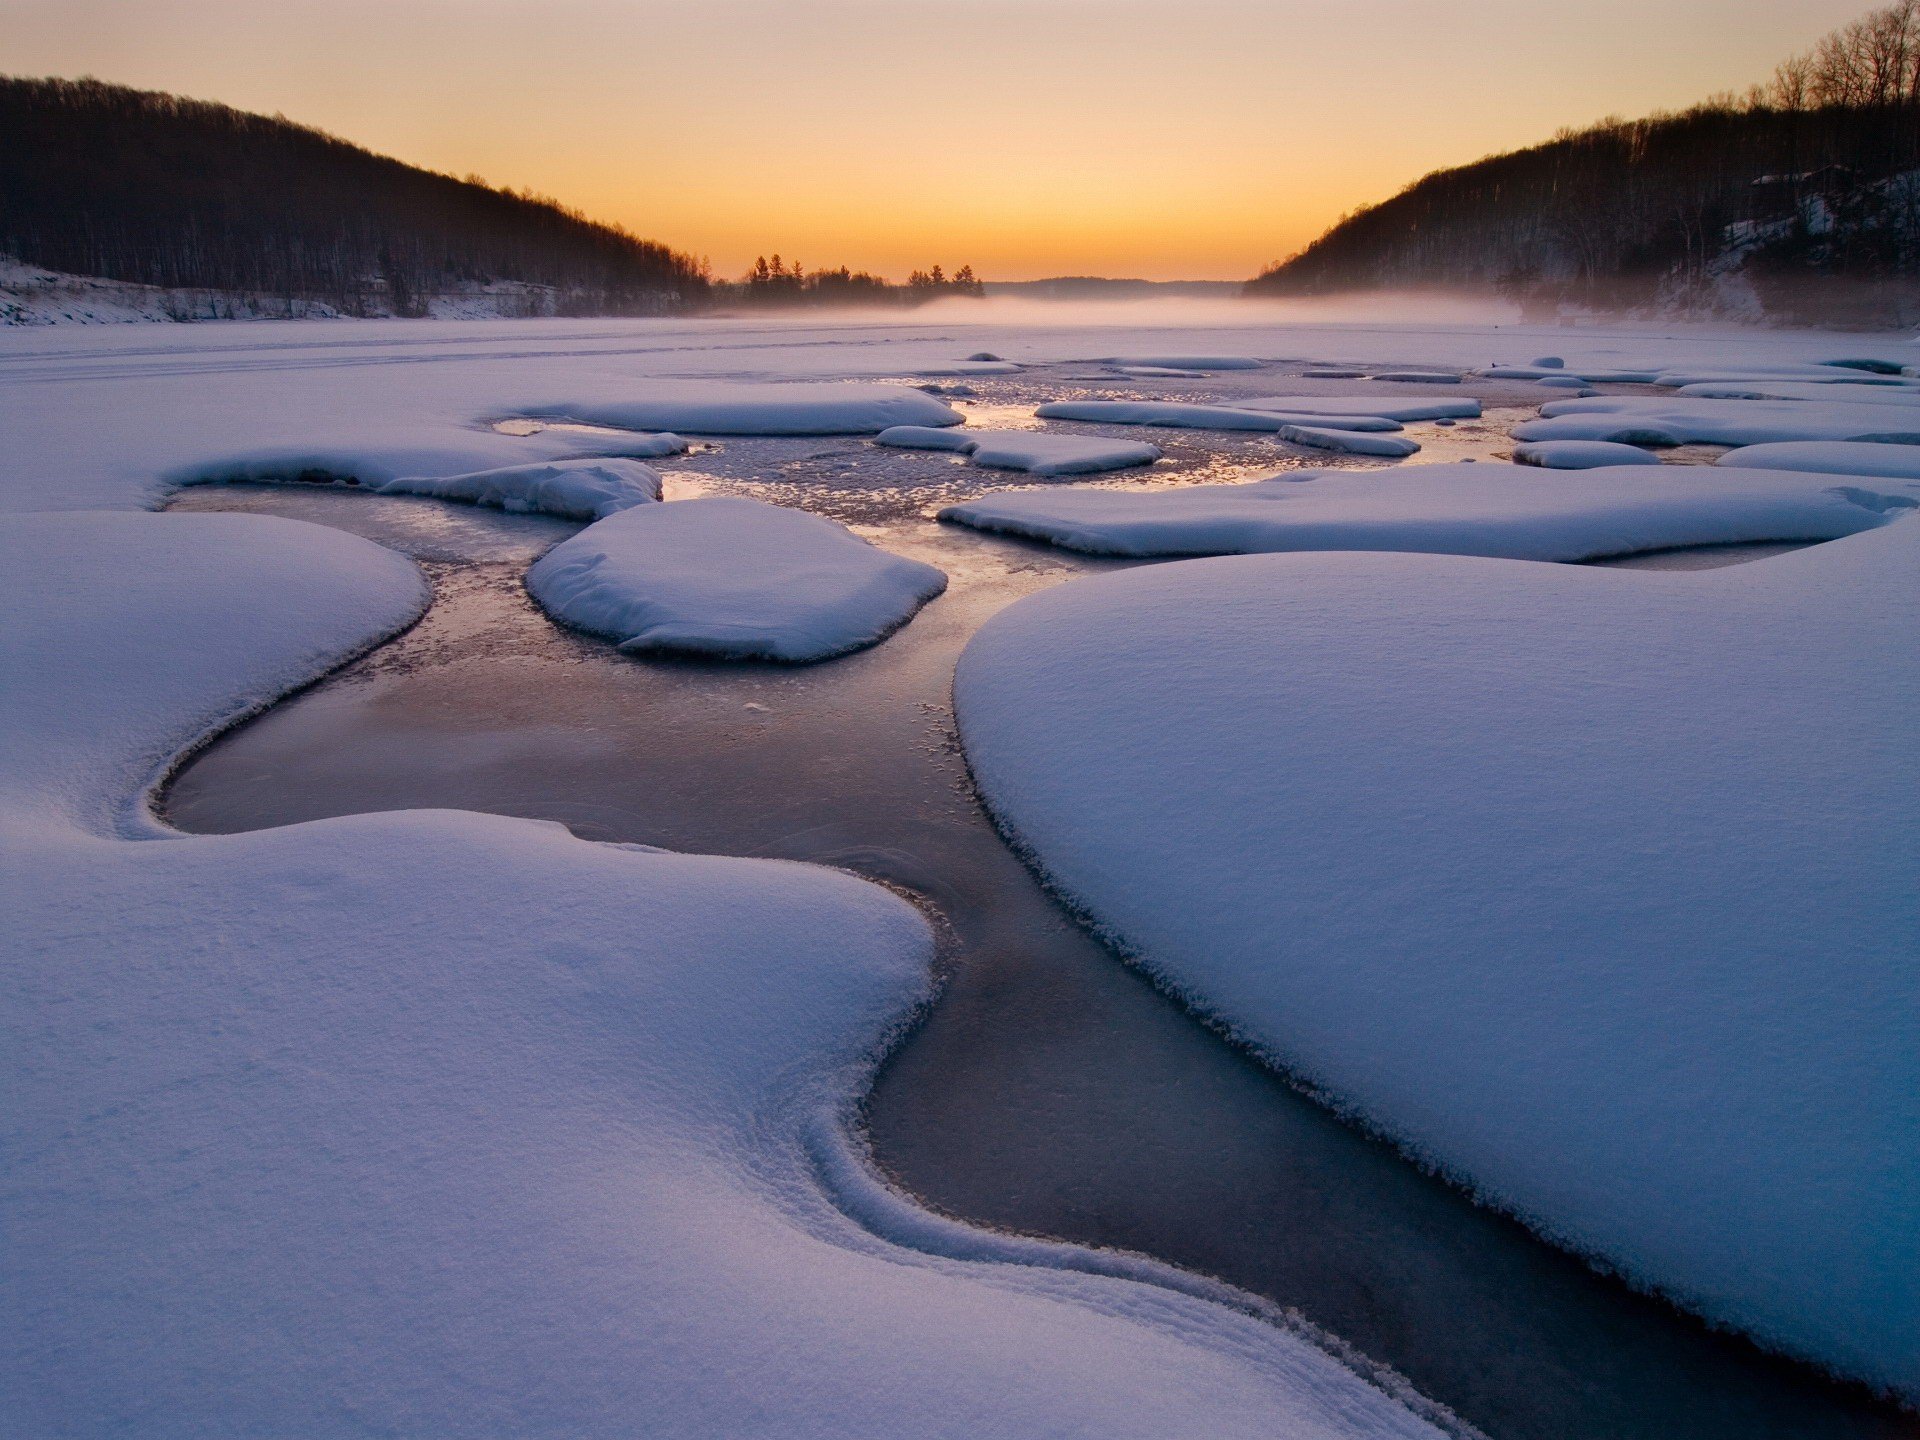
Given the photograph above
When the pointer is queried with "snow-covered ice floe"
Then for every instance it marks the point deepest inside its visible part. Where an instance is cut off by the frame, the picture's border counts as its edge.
(1186, 362)
(721, 407)
(1180, 415)
(1350, 442)
(1417, 377)
(1039, 451)
(1876, 393)
(1507, 511)
(1593, 888)
(1657, 420)
(1382, 407)
(1580, 454)
(1831, 457)
(730, 577)
(455, 1125)
(1592, 375)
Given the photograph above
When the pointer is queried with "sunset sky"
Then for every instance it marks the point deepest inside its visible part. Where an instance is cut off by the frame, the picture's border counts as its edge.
(1165, 138)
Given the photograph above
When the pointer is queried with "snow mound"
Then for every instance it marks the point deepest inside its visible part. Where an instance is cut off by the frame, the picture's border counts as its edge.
(1175, 414)
(1187, 362)
(1656, 420)
(1592, 375)
(970, 367)
(566, 442)
(1376, 407)
(1416, 377)
(1328, 372)
(1319, 437)
(1037, 451)
(1831, 457)
(1506, 511)
(1550, 362)
(720, 407)
(1454, 840)
(454, 1125)
(730, 577)
(574, 489)
(1564, 382)
(1863, 394)
(1580, 454)
(1160, 372)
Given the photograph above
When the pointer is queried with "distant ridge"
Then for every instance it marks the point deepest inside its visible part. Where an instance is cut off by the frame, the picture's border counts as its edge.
(215, 206)
(1799, 201)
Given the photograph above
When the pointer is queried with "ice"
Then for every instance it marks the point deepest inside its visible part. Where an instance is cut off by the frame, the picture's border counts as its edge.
(1160, 372)
(1832, 457)
(1416, 377)
(1176, 414)
(1379, 407)
(970, 367)
(1314, 437)
(730, 577)
(1039, 451)
(443, 1124)
(1186, 362)
(733, 408)
(1592, 375)
(1507, 511)
(1580, 454)
(1592, 888)
(1656, 420)
(1330, 372)
(1824, 391)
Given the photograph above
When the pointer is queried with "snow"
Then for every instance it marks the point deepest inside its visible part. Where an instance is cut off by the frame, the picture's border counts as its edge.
(1416, 377)
(574, 489)
(1825, 392)
(730, 577)
(1332, 372)
(1593, 375)
(1378, 407)
(1314, 437)
(1038, 451)
(1564, 382)
(454, 1125)
(1506, 511)
(1656, 420)
(1198, 417)
(730, 408)
(1592, 888)
(1580, 454)
(1186, 362)
(583, 441)
(1832, 457)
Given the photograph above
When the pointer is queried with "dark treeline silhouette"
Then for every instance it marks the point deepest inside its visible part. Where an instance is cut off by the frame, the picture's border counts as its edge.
(98, 179)
(1806, 191)
(773, 282)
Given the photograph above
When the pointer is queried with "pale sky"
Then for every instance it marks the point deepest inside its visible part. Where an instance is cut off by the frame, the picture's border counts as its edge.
(1171, 139)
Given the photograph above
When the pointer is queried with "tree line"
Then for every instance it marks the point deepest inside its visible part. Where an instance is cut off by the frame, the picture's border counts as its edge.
(1815, 172)
(99, 179)
(776, 283)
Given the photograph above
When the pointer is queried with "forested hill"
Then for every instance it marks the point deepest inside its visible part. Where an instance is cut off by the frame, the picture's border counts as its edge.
(1798, 201)
(149, 188)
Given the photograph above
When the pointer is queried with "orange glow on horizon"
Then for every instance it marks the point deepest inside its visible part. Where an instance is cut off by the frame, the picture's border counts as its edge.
(1027, 138)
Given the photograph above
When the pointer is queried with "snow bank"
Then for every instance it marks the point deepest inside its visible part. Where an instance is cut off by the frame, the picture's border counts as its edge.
(455, 1125)
(1831, 457)
(1656, 420)
(1318, 437)
(730, 577)
(1038, 451)
(1176, 414)
(720, 407)
(1593, 888)
(1579, 454)
(1506, 511)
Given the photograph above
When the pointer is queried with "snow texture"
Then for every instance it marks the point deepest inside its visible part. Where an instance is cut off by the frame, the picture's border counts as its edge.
(1417, 377)
(1184, 416)
(735, 578)
(1506, 511)
(1318, 437)
(443, 1124)
(573, 489)
(732, 408)
(1826, 393)
(1038, 451)
(1831, 457)
(1580, 454)
(1655, 420)
(1186, 362)
(1593, 888)
(1384, 407)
